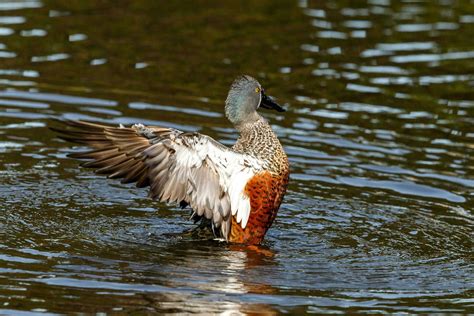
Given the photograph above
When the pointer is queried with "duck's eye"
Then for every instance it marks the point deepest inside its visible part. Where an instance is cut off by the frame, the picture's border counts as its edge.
(257, 89)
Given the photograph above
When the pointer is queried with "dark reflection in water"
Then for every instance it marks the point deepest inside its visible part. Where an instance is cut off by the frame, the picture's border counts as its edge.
(379, 132)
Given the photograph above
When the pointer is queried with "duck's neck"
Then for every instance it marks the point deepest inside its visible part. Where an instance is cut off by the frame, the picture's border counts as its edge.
(249, 122)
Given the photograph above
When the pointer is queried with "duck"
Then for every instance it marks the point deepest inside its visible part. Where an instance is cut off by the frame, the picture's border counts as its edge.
(235, 191)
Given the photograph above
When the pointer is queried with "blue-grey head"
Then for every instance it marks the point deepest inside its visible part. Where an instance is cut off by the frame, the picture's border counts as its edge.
(245, 96)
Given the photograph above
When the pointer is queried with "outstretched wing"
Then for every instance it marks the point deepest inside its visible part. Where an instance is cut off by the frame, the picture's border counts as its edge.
(177, 166)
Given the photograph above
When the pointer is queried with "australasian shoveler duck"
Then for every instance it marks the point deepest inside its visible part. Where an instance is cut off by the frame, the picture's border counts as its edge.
(236, 190)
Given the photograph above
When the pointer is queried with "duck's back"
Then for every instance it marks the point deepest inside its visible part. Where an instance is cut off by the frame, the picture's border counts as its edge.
(267, 188)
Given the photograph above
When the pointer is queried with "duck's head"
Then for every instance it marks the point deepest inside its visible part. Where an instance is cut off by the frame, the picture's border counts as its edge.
(245, 97)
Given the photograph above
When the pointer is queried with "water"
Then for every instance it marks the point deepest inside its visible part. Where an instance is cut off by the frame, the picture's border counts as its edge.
(379, 131)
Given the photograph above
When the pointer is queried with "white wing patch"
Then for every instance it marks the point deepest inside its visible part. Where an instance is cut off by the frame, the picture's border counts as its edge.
(210, 177)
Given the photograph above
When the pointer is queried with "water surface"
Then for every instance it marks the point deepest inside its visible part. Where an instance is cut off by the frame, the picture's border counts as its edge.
(379, 132)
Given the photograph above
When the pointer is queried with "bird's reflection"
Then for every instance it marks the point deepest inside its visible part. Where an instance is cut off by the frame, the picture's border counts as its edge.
(216, 278)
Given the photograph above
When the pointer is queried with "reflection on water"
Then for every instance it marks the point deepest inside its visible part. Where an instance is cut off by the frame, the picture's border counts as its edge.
(378, 216)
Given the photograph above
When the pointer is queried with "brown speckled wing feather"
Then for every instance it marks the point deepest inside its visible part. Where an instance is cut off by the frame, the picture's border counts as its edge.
(117, 151)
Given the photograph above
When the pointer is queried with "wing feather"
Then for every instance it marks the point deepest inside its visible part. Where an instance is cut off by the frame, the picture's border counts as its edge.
(179, 167)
